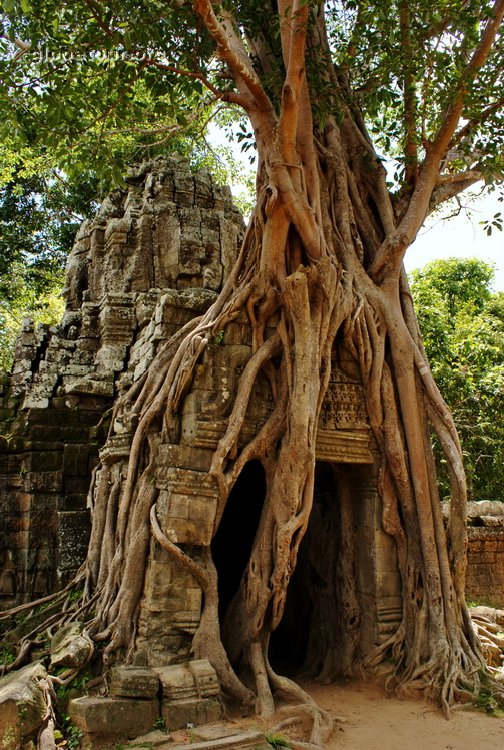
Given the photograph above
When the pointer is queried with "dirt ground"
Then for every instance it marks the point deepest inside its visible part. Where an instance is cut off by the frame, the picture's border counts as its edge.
(375, 721)
(367, 718)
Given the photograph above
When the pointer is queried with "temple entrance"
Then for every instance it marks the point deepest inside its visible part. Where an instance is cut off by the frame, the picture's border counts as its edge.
(232, 544)
(319, 630)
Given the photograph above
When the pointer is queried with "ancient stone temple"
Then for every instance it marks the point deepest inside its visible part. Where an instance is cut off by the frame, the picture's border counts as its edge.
(154, 257)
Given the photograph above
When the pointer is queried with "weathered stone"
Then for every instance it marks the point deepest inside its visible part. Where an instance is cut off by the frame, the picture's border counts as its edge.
(186, 508)
(69, 648)
(205, 677)
(192, 680)
(74, 528)
(180, 714)
(133, 682)
(154, 258)
(184, 457)
(22, 704)
(116, 717)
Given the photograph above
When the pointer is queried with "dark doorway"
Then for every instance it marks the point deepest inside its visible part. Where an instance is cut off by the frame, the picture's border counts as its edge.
(321, 613)
(232, 544)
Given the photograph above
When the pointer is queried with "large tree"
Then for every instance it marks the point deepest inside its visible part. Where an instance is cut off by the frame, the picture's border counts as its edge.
(366, 116)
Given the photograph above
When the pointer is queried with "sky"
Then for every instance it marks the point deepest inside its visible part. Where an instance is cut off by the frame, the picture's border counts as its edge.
(462, 237)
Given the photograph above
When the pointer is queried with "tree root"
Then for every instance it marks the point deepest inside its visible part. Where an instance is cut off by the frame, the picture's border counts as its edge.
(488, 623)
(322, 723)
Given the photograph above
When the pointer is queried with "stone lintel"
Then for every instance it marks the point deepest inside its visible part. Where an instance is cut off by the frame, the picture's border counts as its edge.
(116, 448)
(344, 446)
(194, 679)
(187, 505)
(183, 457)
(186, 519)
(196, 711)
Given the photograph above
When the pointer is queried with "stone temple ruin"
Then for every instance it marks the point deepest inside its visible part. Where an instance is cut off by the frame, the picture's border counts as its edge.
(154, 257)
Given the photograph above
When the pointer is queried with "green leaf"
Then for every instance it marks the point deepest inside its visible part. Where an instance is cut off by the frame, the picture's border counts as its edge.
(25, 6)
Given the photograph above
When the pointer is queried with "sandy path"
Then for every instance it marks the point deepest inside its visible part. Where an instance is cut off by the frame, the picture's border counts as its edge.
(374, 721)
(371, 720)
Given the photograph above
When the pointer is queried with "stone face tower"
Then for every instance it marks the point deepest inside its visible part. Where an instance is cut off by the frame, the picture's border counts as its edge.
(153, 258)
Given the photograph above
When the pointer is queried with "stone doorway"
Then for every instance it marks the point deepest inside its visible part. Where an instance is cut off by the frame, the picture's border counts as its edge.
(321, 623)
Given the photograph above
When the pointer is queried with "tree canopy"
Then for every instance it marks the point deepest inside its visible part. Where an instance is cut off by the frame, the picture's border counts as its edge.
(462, 326)
(80, 77)
(39, 216)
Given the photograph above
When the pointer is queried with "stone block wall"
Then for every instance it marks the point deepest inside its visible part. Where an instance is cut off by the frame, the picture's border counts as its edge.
(46, 460)
(485, 553)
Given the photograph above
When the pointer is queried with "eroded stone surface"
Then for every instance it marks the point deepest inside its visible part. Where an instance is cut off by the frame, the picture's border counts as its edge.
(181, 714)
(22, 704)
(152, 259)
(70, 647)
(119, 717)
(133, 682)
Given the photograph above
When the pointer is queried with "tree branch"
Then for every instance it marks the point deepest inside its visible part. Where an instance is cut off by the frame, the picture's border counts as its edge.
(227, 96)
(94, 8)
(294, 46)
(390, 254)
(473, 123)
(409, 96)
(23, 47)
(480, 54)
(449, 186)
(231, 50)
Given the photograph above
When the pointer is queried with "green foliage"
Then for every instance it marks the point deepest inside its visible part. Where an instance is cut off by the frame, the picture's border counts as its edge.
(419, 60)
(160, 724)
(71, 733)
(74, 689)
(496, 222)
(106, 83)
(94, 87)
(7, 655)
(75, 595)
(462, 324)
(39, 216)
(23, 300)
(277, 741)
(488, 699)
